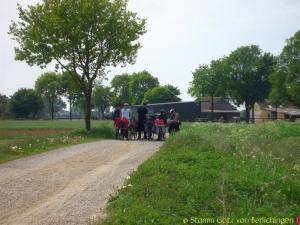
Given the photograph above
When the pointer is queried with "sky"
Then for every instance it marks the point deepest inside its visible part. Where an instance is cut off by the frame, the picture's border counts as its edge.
(180, 36)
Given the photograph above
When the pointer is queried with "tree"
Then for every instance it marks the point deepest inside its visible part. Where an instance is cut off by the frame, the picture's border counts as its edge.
(173, 89)
(278, 93)
(247, 80)
(208, 80)
(102, 98)
(290, 63)
(140, 83)
(48, 85)
(120, 88)
(162, 94)
(58, 106)
(84, 37)
(25, 102)
(70, 90)
(3, 105)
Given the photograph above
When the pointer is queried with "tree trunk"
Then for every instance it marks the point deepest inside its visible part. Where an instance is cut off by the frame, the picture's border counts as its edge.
(52, 110)
(276, 108)
(247, 112)
(212, 104)
(252, 110)
(103, 111)
(88, 97)
(70, 115)
(212, 107)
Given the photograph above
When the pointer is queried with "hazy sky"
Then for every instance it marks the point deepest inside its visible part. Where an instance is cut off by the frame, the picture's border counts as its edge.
(181, 35)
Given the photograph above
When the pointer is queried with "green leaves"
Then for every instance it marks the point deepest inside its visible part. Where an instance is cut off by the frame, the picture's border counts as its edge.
(167, 93)
(290, 64)
(208, 80)
(140, 83)
(83, 37)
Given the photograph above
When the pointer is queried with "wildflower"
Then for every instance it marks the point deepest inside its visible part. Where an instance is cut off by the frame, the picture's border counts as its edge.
(296, 167)
(128, 177)
(254, 156)
(29, 145)
(129, 185)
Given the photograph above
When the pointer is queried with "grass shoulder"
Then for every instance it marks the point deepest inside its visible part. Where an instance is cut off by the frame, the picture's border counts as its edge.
(214, 170)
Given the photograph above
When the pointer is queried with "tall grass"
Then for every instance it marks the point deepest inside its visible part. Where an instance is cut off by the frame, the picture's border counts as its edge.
(214, 170)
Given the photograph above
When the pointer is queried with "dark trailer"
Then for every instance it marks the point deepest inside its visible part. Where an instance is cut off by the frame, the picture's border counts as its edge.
(188, 111)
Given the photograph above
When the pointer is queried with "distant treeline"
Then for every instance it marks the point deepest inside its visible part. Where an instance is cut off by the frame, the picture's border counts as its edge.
(249, 75)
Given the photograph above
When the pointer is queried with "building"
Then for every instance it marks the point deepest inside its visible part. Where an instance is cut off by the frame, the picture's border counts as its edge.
(223, 109)
(194, 111)
(264, 112)
(188, 111)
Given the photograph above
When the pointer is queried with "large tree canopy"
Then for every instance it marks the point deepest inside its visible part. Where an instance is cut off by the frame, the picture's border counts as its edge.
(102, 98)
(167, 93)
(131, 88)
(48, 85)
(121, 90)
(209, 80)
(290, 64)
(70, 90)
(140, 83)
(3, 105)
(247, 80)
(83, 37)
(25, 102)
(278, 93)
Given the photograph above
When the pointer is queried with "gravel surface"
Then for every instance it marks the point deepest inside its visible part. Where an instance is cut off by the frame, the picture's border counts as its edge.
(70, 185)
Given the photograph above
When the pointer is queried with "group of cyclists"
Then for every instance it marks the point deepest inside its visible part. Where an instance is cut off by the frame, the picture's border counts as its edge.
(146, 123)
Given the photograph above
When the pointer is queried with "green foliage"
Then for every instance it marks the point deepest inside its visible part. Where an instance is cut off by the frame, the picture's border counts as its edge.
(131, 88)
(290, 63)
(3, 106)
(278, 93)
(209, 80)
(140, 83)
(121, 89)
(48, 85)
(25, 103)
(162, 94)
(102, 98)
(214, 170)
(173, 89)
(69, 88)
(83, 37)
(247, 80)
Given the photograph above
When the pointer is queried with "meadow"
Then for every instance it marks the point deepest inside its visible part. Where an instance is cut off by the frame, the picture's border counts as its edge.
(235, 171)
(20, 138)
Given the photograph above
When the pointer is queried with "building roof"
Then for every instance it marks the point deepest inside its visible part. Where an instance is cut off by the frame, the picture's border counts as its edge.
(220, 105)
(289, 110)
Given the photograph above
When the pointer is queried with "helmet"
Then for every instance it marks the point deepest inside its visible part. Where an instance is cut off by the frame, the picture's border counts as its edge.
(172, 110)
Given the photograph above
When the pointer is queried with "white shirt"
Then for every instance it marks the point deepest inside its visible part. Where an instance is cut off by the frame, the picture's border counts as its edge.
(125, 113)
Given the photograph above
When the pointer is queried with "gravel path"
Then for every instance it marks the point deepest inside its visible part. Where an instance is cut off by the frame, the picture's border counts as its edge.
(67, 186)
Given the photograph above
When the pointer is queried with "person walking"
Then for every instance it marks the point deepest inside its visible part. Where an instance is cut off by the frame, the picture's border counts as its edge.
(142, 118)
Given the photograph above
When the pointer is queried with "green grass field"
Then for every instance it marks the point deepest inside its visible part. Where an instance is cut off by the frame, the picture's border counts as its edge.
(27, 137)
(215, 170)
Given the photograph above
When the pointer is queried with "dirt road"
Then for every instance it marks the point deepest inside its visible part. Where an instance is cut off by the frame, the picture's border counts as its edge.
(69, 185)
